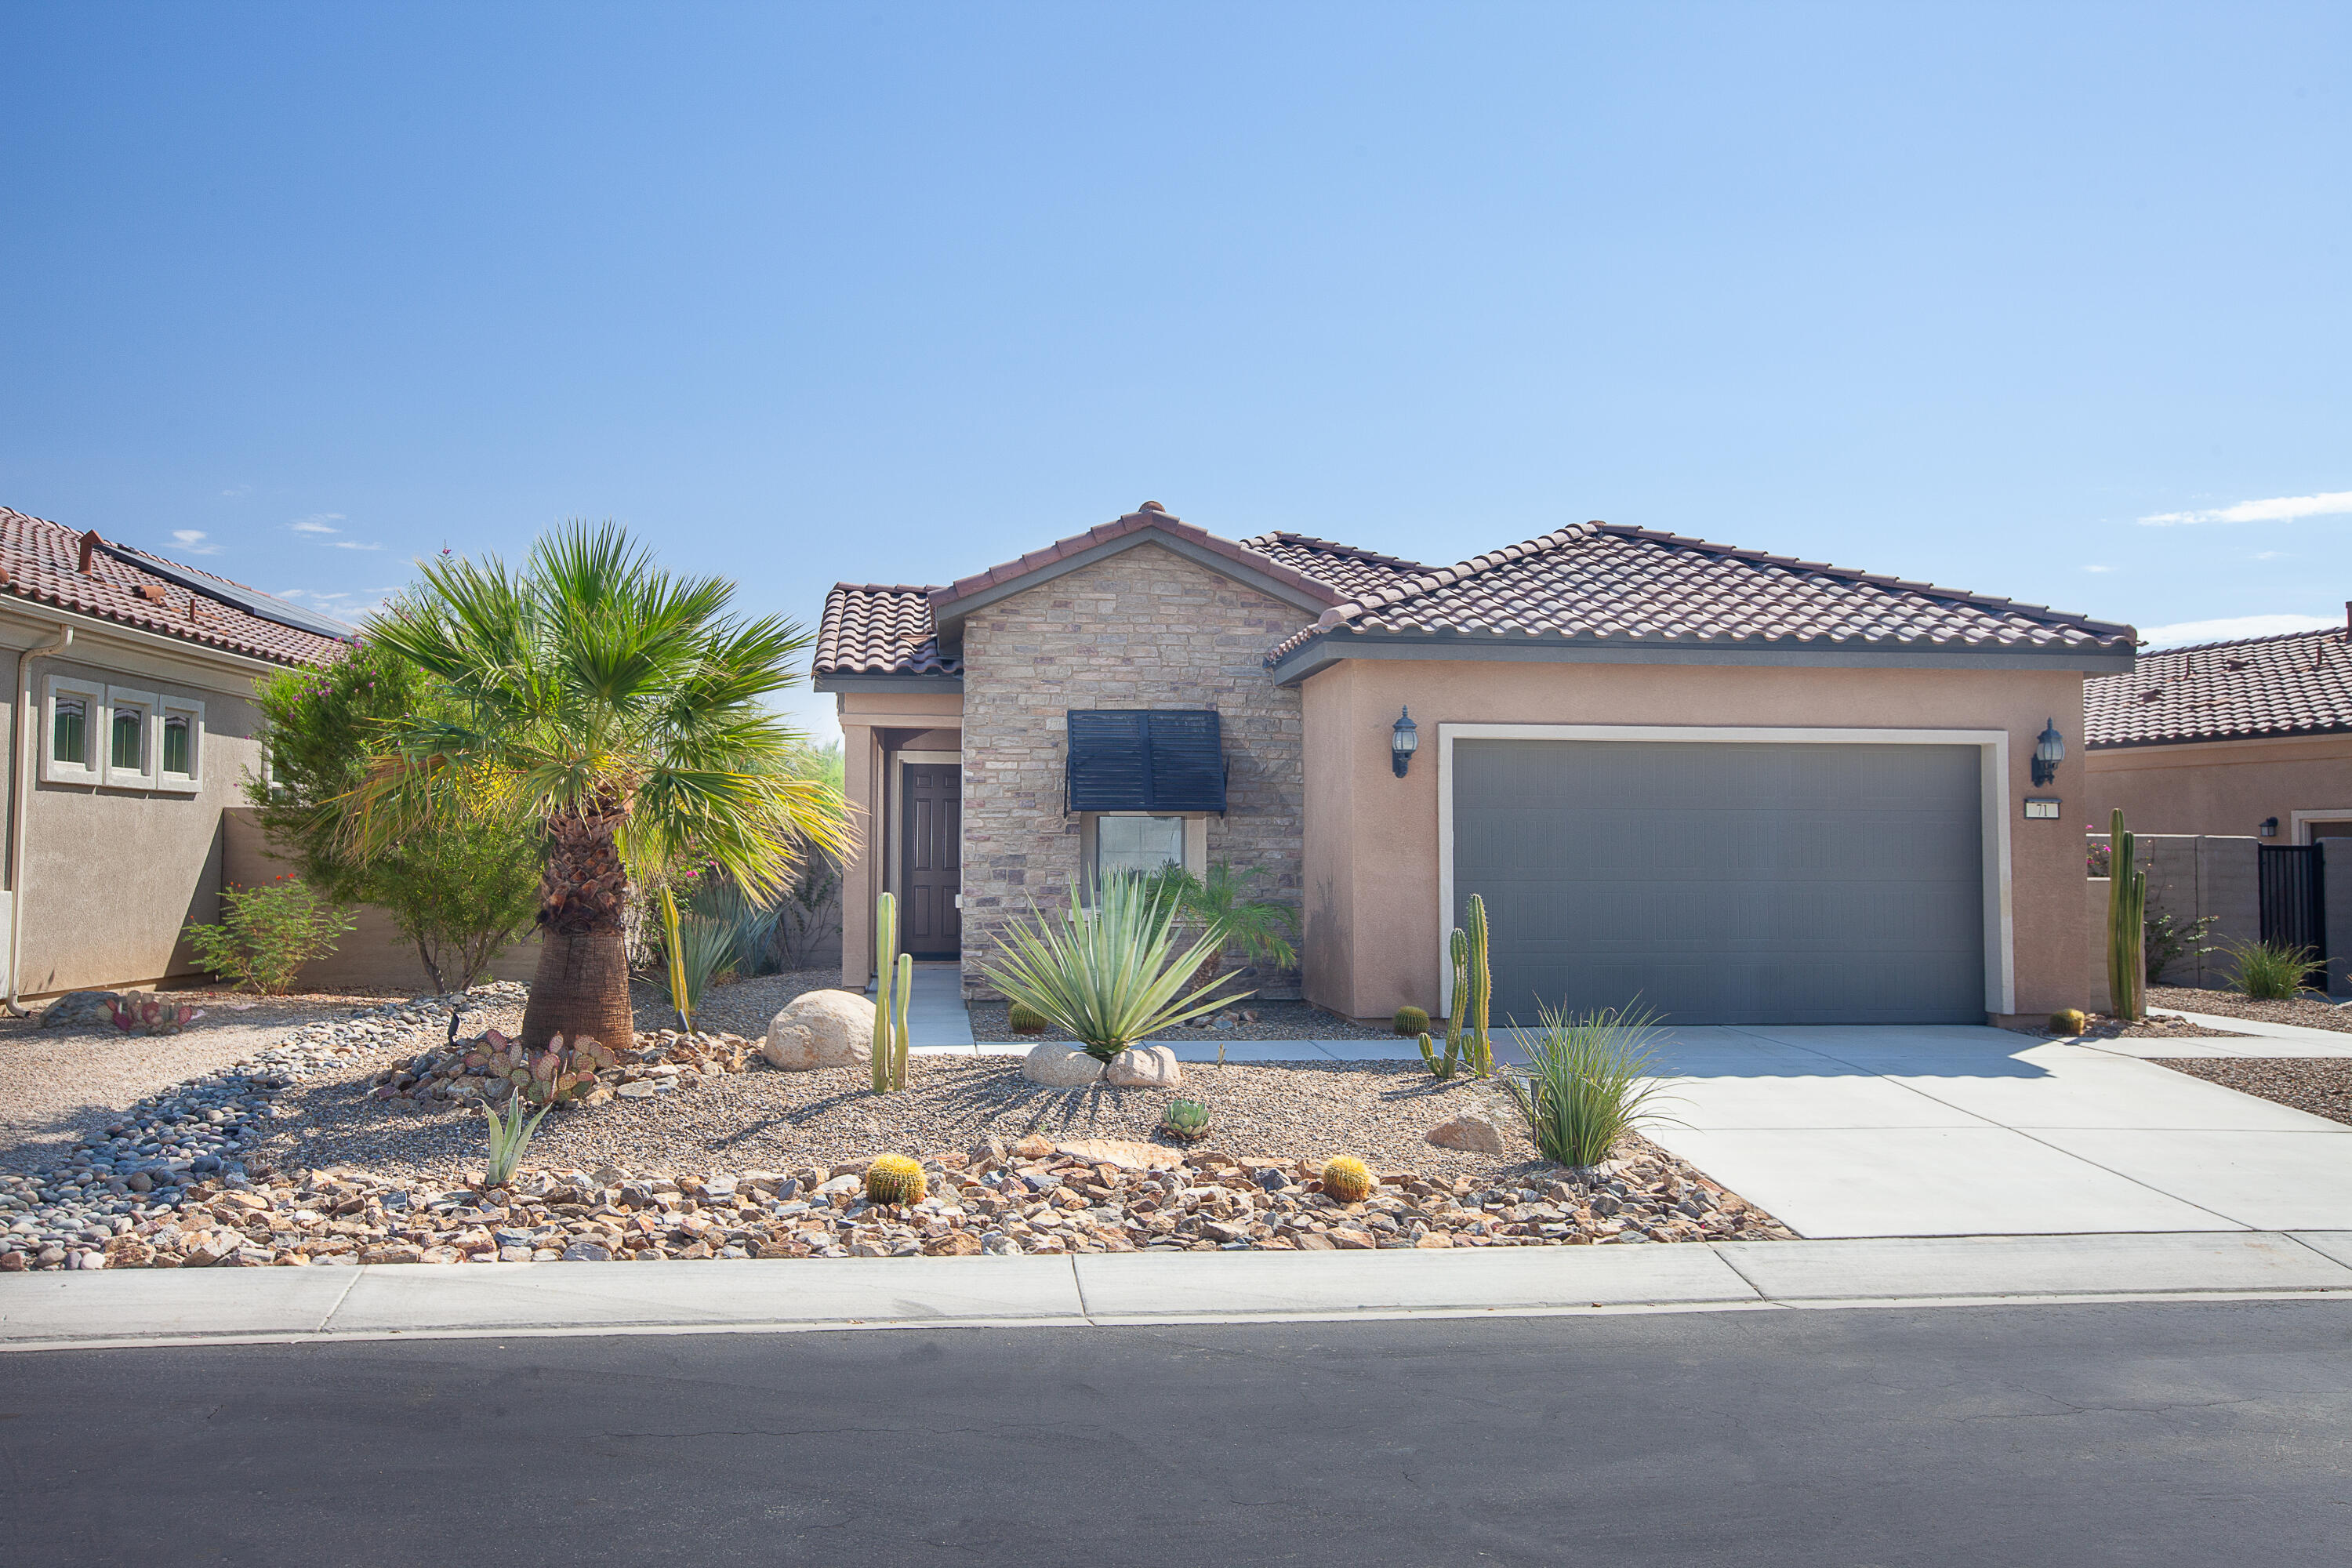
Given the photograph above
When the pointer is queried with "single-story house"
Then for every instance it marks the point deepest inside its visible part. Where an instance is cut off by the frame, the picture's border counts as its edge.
(132, 727)
(2252, 737)
(1729, 785)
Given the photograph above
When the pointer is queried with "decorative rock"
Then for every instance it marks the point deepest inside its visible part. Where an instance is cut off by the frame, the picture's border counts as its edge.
(1121, 1153)
(77, 1009)
(1470, 1132)
(1145, 1067)
(1060, 1067)
(1033, 1147)
(821, 1030)
(643, 1088)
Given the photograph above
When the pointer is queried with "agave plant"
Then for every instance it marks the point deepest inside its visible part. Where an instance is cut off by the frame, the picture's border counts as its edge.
(1187, 1119)
(1110, 975)
(1587, 1082)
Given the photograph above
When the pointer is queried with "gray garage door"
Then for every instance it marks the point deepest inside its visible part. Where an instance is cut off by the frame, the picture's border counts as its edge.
(1725, 883)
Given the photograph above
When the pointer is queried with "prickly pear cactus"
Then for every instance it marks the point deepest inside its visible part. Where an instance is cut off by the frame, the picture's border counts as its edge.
(149, 1015)
(557, 1076)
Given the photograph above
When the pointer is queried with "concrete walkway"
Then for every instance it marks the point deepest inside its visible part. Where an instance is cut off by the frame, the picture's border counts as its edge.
(51, 1311)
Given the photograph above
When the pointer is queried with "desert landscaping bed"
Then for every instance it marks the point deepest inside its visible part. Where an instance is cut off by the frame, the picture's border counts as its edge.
(2320, 1085)
(1248, 1019)
(2307, 1011)
(350, 1141)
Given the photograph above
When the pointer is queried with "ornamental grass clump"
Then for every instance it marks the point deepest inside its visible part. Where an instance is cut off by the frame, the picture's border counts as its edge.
(1587, 1083)
(2273, 972)
(1110, 975)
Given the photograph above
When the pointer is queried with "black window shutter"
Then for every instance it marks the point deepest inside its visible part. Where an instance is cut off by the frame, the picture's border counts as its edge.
(1132, 759)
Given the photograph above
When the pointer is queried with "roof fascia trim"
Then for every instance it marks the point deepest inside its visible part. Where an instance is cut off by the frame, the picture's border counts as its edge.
(868, 682)
(2313, 732)
(949, 614)
(1322, 652)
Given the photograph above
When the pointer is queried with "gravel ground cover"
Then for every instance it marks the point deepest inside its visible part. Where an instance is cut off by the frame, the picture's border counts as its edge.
(2319, 1084)
(2310, 1011)
(1247, 1020)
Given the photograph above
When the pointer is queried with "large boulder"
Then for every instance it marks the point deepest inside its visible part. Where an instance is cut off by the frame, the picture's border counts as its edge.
(1470, 1132)
(78, 1009)
(1060, 1067)
(822, 1029)
(1145, 1067)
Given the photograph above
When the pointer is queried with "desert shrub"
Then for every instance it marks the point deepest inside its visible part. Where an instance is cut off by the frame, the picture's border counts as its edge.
(2164, 940)
(266, 934)
(1110, 975)
(2272, 972)
(1587, 1082)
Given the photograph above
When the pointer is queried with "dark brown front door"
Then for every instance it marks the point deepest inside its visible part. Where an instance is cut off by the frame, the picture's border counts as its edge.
(931, 871)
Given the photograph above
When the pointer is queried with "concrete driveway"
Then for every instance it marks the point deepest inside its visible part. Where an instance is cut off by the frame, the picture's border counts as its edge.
(1903, 1130)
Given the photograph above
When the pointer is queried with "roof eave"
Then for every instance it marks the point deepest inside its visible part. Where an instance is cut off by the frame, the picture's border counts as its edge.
(1328, 647)
(870, 680)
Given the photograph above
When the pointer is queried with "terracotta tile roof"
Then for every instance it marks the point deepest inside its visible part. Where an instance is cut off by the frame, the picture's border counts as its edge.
(42, 561)
(2299, 684)
(1343, 566)
(1149, 515)
(1599, 581)
(872, 628)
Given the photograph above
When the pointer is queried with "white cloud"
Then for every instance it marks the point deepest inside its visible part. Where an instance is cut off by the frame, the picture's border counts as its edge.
(2098, 568)
(2269, 555)
(2181, 633)
(350, 544)
(317, 522)
(2278, 508)
(191, 542)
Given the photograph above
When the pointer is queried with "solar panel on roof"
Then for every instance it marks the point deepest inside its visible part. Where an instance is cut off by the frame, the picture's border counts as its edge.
(252, 601)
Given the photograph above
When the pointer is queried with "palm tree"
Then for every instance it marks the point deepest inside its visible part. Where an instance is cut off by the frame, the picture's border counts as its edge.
(619, 713)
(1220, 904)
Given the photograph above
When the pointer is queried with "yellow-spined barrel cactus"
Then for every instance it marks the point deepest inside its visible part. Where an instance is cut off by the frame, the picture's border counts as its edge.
(1411, 1021)
(1347, 1179)
(2069, 1021)
(895, 1179)
(556, 1076)
(1026, 1020)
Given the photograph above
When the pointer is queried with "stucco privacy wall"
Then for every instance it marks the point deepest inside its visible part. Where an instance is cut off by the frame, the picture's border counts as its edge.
(1371, 839)
(1142, 629)
(2190, 877)
(110, 877)
(2219, 787)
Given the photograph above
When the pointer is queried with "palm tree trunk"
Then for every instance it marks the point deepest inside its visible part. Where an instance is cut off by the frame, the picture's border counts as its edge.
(582, 985)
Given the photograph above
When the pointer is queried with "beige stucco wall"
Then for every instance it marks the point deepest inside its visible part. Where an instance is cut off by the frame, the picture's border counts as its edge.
(1373, 925)
(871, 723)
(1142, 628)
(2220, 786)
(109, 877)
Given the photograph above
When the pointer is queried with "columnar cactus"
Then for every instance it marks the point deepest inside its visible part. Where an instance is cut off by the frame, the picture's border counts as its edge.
(1347, 1179)
(894, 985)
(2127, 927)
(1481, 1044)
(895, 1178)
(1458, 948)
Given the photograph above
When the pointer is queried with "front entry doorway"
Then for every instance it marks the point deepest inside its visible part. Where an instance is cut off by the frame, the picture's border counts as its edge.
(930, 866)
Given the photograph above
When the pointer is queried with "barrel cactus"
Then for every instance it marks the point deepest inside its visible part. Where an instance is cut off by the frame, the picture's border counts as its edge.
(895, 1179)
(1410, 1021)
(2069, 1021)
(1187, 1119)
(1025, 1019)
(1347, 1179)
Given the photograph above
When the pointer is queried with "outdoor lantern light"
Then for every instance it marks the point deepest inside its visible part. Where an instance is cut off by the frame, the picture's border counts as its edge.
(2048, 753)
(1404, 738)
(2269, 828)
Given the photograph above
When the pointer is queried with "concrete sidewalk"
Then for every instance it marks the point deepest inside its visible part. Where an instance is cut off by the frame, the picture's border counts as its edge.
(50, 1311)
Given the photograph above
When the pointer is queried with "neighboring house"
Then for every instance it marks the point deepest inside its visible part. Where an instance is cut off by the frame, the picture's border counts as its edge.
(1731, 785)
(2234, 738)
(132, 723)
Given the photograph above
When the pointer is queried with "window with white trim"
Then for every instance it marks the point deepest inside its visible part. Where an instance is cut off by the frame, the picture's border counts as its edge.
(1112, 843)
(129, 737)
(180, 744)
(75, 731)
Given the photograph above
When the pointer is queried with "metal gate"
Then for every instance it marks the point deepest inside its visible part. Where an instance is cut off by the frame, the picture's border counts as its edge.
(2295, 910)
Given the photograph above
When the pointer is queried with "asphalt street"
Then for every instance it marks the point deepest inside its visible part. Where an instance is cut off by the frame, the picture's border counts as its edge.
(2180, 1433)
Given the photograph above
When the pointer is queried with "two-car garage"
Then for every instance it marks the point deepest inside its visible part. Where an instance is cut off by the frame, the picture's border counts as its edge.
(1827, 879)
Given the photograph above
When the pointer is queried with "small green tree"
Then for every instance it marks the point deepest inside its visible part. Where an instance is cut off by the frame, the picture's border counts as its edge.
(459, 889)
(265, 936)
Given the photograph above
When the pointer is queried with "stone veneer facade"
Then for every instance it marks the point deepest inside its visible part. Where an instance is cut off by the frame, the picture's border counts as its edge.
(1142, 628)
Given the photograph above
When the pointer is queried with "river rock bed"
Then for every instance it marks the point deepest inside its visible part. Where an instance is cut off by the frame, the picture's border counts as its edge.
(1032, 1197)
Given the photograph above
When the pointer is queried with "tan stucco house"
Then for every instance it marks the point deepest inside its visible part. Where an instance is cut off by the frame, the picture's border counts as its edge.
(2251, 737)
(131, 724)
(1733, 785)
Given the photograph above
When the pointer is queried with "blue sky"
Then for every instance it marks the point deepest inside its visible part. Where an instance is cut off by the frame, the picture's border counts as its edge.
(894, 293)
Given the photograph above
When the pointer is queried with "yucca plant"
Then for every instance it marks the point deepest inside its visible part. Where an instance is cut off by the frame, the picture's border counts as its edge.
(1110, 975)
(696, 949)
(1587, 1082)
(2273, 972)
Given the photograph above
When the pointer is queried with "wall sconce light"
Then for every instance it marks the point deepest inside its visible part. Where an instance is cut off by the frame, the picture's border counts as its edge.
(2269, 829)
(1404, 738)
(2048, 753)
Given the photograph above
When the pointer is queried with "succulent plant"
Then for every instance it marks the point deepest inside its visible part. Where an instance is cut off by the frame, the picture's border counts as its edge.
(2069, 1021)
(895, 1179)
(1187, 1119)
(2126, 925)
(1347, 1179)
(1411, 1021)
(1025, 1019)
(556, 1076)
(149, 1015)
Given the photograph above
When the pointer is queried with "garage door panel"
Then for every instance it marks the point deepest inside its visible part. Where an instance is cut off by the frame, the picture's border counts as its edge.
(1726, 883)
